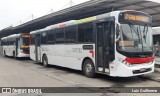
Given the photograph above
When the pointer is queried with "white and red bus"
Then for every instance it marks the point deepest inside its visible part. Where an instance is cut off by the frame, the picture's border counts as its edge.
(16, 45)
(118, 43)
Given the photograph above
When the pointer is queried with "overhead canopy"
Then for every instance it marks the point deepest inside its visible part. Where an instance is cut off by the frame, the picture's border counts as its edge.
(87, 9)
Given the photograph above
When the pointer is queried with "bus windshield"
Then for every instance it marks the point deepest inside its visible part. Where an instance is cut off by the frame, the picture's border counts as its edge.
(25, 41)
(135, 32)
(135, 38)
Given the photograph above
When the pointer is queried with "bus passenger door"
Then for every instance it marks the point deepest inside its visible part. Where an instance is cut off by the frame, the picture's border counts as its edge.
(16, 46)
(37, 47)
(103, 44)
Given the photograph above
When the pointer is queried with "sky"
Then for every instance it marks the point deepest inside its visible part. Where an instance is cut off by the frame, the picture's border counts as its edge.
(15, 12)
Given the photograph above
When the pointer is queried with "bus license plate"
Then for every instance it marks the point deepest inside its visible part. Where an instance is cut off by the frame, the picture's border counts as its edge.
(143, 69)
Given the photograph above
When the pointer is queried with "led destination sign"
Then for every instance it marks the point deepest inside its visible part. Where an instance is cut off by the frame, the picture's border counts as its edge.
(136, 17)
(25, 36)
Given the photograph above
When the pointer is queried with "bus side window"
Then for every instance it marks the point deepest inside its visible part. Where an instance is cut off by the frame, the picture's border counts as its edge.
(85, 32)
(70, 34)
(51, 37)
(60, 35)
(81, 33)
(32, 39)
(44, 38)
(89, 32)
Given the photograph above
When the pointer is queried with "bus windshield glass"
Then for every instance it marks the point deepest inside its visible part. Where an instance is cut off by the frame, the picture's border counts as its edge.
(135, 32)
(25, 40)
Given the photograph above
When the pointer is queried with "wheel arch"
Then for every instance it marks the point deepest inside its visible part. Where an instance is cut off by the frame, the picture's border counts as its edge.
(44, 54)
(86, 58)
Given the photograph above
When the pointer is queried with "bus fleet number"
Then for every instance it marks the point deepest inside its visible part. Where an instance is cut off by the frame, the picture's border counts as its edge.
(77, 50)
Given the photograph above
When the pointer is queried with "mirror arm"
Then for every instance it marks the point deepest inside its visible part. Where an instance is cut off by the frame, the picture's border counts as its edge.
(118, 23)
(119, 34)
(118, 38)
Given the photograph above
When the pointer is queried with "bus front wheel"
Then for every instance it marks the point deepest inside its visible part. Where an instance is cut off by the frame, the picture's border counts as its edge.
(88, 68)
(45, 61)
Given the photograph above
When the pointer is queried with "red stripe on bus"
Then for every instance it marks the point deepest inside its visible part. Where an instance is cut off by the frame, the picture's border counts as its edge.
(139, 60)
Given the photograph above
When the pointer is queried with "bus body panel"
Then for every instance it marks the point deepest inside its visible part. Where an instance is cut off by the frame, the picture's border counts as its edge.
(9, 50)
(73, 55)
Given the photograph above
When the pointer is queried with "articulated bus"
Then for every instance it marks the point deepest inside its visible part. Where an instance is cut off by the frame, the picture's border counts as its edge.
(117, 44)
(16, 45)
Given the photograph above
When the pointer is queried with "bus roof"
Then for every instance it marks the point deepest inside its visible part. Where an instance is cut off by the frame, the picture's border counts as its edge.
(74, 22)
(13, 36)
(85, 20)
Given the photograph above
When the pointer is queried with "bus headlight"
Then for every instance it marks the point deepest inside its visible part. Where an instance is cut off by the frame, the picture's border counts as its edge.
(124, 62)
(21, 51)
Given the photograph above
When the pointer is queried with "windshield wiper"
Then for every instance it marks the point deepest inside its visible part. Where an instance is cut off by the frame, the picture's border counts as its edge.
(145, 32)
(141, 36)
(134, 30)
(138, 33)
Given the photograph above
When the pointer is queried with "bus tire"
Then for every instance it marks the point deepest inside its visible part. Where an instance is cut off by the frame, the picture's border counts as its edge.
(88, 68)
(45, 61)
(4, 53)
(14, 55)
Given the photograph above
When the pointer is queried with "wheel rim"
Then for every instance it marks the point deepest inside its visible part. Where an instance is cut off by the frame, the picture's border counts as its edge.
(88, 68)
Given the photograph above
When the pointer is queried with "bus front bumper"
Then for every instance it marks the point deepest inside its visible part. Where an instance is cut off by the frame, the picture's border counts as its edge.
(23, 55)
(125, 71)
